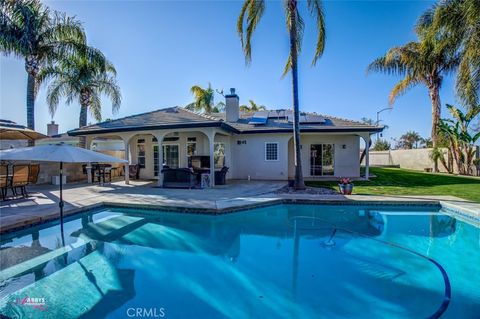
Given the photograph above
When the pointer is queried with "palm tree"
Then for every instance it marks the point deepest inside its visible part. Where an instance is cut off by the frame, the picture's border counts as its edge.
(30, 31)
(250, 15)
(254, 107)
(458, 22)
(423, 62)
(204, 100)
(84, 77)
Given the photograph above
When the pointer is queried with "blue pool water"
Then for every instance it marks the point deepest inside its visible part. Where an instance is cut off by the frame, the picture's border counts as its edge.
(282, 261)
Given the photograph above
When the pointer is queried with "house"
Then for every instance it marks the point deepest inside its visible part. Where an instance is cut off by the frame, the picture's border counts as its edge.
(253, 145)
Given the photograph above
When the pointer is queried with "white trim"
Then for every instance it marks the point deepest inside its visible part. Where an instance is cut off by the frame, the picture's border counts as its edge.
(265, 152)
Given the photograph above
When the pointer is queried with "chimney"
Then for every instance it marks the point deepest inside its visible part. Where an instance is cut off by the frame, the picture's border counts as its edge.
(52, 129)
(232, 106)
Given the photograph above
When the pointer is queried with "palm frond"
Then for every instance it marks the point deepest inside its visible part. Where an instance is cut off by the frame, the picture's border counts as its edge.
(108, 85)
(315, 7)
(95, 106)
(402, 87)
(253, 11)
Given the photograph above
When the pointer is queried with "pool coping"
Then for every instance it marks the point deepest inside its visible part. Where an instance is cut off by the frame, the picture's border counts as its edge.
(238, 204)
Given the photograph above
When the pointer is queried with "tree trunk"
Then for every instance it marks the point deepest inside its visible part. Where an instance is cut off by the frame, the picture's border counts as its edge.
(434, 93)
(31, 105)
(299, 182)
(84, 102)
(32, 68)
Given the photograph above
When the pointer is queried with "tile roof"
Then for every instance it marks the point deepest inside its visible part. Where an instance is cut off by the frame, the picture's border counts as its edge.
(178, 117)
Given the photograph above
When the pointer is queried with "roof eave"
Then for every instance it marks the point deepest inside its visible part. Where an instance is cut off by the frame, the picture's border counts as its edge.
(80, 132)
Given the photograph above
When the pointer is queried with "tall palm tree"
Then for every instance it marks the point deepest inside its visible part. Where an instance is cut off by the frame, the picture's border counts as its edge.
(423, 62)
(254, 107)
(30, 31)
(458, 22)
(204, 100)
(84, 77)
(250, 15)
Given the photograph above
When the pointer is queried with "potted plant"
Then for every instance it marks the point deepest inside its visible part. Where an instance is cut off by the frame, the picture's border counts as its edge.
(346, 186)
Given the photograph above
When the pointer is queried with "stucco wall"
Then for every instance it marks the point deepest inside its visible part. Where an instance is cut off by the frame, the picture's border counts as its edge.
(245, 154)
(249, 156)
(416, 159)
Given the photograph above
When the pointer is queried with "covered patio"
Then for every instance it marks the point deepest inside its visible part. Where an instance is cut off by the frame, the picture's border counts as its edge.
(199, 148)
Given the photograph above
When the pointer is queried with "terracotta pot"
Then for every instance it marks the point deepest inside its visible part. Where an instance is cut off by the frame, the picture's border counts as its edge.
(346, 189)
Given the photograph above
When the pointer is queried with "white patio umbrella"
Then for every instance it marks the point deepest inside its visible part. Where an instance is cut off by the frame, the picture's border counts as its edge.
(59, 153)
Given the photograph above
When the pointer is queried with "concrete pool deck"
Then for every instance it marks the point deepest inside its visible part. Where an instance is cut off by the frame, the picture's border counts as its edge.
(42, 205)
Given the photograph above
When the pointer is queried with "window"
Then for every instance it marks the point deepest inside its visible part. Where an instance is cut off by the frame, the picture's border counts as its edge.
(219, 155)
(141, 153)
(271, 151)
(191, 149)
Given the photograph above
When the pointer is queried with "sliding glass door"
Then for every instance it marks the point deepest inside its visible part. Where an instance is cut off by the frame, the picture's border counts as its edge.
(322, 159)
(170, 157)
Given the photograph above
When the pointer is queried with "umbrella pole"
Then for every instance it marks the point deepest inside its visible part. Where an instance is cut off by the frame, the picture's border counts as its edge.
(60, 204)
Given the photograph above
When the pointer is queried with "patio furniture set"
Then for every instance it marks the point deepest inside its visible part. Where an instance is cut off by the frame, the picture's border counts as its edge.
(191, 177)
(100, 172)
(17, 177)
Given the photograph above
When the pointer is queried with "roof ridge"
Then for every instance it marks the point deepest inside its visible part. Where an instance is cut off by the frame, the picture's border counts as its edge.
(130, 116)
(207, 116)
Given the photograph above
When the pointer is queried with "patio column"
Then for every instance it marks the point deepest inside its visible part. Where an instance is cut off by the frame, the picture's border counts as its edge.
(126, 141)
(159, 136)
(88, 146)
(367, 157)
(211, 140)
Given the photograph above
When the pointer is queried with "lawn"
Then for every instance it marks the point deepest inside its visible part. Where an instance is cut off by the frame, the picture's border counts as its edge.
(396, 181)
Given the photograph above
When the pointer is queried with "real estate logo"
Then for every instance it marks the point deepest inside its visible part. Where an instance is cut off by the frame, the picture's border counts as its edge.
(36, 303)
(146, 312)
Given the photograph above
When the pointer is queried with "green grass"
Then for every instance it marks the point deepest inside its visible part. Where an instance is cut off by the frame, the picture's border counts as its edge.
(396, 181)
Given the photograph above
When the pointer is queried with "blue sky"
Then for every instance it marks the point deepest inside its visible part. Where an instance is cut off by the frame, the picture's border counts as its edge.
(161, 49)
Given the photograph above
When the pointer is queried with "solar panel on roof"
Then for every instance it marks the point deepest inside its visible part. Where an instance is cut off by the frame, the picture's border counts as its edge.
(307, 118)
(259, 118)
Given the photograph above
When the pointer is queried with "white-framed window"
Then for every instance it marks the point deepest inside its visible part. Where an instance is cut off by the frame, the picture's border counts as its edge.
(271, 151)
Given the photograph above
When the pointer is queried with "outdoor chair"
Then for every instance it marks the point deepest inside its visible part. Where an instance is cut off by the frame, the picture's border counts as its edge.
(34, 171)
(220, 176)
(102, 171)
(20, 179)
(4, 181)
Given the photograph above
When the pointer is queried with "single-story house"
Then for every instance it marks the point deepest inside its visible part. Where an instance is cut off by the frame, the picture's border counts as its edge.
(256, 145)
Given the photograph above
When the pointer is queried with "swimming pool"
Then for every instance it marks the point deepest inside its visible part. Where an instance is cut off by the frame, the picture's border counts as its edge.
(281, 261)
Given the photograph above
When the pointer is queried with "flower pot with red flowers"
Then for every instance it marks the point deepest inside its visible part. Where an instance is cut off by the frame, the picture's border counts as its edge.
(346, 186)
